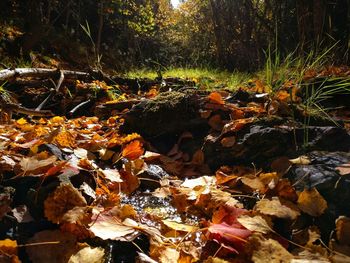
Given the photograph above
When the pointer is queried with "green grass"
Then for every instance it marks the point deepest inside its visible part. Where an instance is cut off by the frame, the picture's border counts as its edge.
(205, 78)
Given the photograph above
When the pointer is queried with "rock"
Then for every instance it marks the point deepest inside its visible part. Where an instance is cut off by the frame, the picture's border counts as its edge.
(169, 112)
(259, 143)
(321, 173)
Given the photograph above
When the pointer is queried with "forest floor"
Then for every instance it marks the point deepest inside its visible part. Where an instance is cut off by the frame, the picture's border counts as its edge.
(194, 166)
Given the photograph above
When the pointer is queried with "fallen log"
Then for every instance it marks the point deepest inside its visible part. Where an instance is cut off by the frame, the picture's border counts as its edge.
(6, 74)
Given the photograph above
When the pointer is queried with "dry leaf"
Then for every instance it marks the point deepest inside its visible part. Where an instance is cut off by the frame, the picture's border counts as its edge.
(343, 230)
(107, 225)
(63, 199)
(256, 223)
(228, 141)
(270, 251)
(8, 246)
(216, 98)
(302, 160)
(59, 248)
(179, 227)
(88, 255)
(275, 208)
(344, 169)
(311, 202)
(133, 150)
(253, 182)
(169, 255)
(29, 164)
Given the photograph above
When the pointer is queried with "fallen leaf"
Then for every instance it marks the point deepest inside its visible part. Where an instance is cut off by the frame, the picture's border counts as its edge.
(201, 181)
(311, 202)
(133, 150)
(270, 251)
(256, 223)
(88, 255)
(302, 160)
(228, 141)
(216, 122)
(63, 199)
(112, 175)
(57, 247)
(216, 98)
(8, 246)
(29, 164)
(169, 255)
(343, 230)
(253, 182)
(179, 227)
(344, 169)
(275, 208)
(106, 225)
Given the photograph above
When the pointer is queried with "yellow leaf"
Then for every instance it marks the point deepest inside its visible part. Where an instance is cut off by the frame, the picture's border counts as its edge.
(256, 223)
(21, 121)
(274, 207)
(311, 202)
(179, 227)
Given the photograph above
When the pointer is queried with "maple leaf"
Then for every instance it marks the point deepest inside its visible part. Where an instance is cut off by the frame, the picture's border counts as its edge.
(133, 150)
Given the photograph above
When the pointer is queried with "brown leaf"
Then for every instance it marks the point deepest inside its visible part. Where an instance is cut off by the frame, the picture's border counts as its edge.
(63, 246)
(270, 251)
(63, 199)
(274, 207)
(311, 202)
(343, 230)
(228, 141)
(216, 122)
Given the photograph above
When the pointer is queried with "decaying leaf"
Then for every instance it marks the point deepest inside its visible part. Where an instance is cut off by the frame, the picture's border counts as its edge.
(63, 199)
(256, 223)
(8, 246)
(270, 251)
(311, 202)
(29, 164)
(169, 255)
(344, 169)
(107, 225)
(275, 208)
(343, 230)
(179, 227)
(57, 247)
(88, 255)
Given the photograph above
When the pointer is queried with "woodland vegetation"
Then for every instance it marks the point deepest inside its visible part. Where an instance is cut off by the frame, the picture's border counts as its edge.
(134, 131)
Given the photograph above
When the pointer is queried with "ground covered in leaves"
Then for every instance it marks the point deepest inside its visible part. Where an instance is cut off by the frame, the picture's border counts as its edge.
(168, 172)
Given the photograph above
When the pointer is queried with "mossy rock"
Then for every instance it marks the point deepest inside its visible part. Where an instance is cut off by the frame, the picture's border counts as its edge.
(169, 112)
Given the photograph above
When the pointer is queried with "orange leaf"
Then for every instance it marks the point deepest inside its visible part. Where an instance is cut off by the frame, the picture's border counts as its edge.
(216, 98)
(133, 150)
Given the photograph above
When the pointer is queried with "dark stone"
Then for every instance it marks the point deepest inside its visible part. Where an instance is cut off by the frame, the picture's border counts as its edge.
(259, 143)
(169, 112)
(321, 173)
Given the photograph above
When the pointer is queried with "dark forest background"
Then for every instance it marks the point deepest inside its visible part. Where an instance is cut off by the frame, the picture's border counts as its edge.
(125, 34)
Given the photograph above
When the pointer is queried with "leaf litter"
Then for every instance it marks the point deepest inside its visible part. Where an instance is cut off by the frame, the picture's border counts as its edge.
(85, 187)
